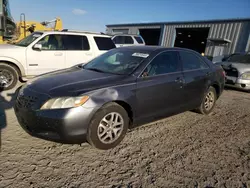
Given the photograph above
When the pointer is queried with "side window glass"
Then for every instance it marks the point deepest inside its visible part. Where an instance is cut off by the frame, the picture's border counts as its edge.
(139, 40)
(75, 42)
(128, 40)
(191, 62)
(104, 43)
(119, 40)
(166, 62)
(51, 42)
(85, 43)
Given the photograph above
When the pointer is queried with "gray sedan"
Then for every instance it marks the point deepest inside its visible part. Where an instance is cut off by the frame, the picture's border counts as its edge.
(123, 88)
(237, 69)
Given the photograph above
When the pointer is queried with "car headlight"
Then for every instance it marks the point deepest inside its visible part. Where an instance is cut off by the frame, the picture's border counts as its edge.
(64, 102)
(246, 76)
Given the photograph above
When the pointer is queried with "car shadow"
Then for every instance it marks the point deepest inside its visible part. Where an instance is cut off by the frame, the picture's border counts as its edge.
(228, 88)
(4, 106)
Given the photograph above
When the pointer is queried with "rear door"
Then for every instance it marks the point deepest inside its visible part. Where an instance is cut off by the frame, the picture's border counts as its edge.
(197, 75)
(159, 88)
(77, 49)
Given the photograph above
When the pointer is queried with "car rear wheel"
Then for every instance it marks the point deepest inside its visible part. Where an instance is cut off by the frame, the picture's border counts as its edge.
(108, 127)
(8, 77)
(208, 101)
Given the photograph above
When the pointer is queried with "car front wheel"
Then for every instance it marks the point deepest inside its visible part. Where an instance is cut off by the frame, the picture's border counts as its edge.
(208, 101)
(108, 126)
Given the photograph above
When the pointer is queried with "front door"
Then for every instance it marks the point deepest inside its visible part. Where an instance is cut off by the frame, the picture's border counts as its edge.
(50, 58)
(160, 88)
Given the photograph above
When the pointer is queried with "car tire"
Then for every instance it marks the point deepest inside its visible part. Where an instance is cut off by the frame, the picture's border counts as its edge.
(9, 76)
(208, 101)
(101, 123)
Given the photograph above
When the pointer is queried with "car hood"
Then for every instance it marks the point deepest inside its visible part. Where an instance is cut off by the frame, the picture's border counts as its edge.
(13, 51)
(71, 82)
(241, 67)
(9, 46)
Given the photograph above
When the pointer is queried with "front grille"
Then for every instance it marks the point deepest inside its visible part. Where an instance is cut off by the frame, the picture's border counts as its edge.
(26, 101)
(232, 72)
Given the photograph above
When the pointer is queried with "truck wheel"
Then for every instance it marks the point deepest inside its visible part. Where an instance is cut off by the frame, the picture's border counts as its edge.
(108, 127)
(208, 101)
(8, 76)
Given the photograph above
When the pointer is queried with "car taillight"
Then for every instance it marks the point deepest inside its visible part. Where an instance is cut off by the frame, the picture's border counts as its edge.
(223, 73)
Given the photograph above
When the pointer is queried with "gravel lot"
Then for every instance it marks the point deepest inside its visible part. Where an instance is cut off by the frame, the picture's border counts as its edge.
(186, 150)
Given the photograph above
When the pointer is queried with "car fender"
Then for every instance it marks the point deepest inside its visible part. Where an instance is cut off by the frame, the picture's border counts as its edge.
(15, 62)
(100, 97)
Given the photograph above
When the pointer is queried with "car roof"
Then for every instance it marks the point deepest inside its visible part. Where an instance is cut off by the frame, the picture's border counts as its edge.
(241, 53)
(134, 35)
(76, 33)
(156, 48)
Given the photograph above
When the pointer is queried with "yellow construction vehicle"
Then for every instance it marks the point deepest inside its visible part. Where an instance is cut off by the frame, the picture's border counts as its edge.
(11, 32)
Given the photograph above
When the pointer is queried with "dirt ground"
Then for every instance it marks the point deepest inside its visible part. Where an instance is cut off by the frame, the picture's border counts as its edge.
(186, 150)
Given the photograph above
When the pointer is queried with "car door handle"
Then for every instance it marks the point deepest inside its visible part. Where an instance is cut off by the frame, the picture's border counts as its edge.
(179, 80)
(58, 54)
(88, 54)
(208, 73)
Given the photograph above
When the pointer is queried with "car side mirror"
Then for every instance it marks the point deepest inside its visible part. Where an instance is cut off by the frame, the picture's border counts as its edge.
(224, 59)
(144, 74)
(37, 47)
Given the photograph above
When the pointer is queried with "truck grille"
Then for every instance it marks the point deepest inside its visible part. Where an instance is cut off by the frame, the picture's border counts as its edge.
(232, 72)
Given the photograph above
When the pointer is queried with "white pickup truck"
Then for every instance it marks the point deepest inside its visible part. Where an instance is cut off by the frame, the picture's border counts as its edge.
(43, 52)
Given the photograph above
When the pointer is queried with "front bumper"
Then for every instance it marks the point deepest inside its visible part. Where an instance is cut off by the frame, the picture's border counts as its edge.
(60, 125)
(238, 83)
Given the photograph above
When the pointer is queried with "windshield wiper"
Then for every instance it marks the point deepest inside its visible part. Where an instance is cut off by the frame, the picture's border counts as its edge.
(96, 70)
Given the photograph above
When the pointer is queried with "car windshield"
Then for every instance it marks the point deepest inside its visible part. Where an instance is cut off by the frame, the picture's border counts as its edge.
(29, 39)
(240, 58)
(117, 61)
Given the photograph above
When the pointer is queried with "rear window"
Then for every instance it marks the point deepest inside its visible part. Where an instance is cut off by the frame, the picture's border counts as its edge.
(104, 43)
(139, 40)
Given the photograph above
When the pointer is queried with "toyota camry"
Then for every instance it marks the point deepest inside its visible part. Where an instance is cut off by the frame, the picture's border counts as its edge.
(126, 87)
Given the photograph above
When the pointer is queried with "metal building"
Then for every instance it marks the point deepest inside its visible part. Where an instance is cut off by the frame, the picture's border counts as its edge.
(212, 37)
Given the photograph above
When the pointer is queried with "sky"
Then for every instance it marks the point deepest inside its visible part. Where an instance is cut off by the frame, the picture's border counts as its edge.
(94, 15)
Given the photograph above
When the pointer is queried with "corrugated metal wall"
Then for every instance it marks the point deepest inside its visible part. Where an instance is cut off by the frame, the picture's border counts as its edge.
(132, 30)
(237, 32)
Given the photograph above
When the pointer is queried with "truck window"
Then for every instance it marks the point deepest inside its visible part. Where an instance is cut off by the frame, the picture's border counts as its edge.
(52, 42)
(75, 42)
(139, 40)
(119, 40)
(104, 43)
(29, 39)
(128, 40)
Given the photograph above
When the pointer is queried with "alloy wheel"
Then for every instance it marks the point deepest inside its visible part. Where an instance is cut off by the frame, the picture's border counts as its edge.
(6, 78)
(209, 100)
(110, 128)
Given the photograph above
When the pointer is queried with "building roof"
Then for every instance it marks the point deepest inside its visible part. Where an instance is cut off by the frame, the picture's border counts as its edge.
(221, 40)
(179, 22)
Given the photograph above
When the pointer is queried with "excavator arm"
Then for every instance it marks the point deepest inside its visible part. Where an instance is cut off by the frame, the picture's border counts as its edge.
(25, 28)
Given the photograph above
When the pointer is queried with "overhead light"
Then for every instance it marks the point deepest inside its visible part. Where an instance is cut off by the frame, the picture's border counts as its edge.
(189, 35)
(202, 42)
(179, 33)
(181, 41)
